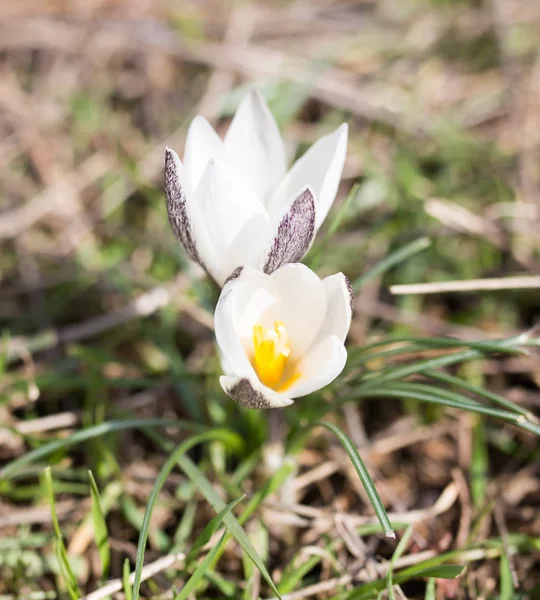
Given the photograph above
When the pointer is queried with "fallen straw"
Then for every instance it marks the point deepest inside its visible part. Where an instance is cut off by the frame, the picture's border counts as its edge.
(469, 285)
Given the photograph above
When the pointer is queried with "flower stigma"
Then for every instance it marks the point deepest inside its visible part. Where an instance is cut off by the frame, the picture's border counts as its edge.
(271, 355)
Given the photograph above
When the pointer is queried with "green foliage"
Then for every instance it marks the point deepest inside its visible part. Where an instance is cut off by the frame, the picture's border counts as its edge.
(442, 571)
(223, 435)
(210, 529)
(66, 572)
(87, 434)
(391, 261)
(363, 473)
(100, 527)
(126, 583)
(200, 571)
(400, 549)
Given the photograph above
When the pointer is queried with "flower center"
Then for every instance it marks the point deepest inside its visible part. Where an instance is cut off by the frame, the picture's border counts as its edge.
(271, 355)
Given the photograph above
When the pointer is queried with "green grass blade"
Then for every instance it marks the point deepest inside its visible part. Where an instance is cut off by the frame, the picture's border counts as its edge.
(430, 589)
(47, 474)
(4, 351)
(199, 572)
(363, 473)
(100, 527)
(233, 524)
(61, 554)
(210, 529)
(454, 399)
(358, 358)
(440, 572)
(66, 571)
(397, 554)
(230, 520)
(134, 516)
(87, 434)
(224, 436)
(186, 522)
(126, 571)
(420, 366)
(269, 487)
(479, 467)
(292, 576)
(443, 571)
(408, 346)
(441, 397)
(479, 391)
(392, 260)
(510, 345)
(506, 584)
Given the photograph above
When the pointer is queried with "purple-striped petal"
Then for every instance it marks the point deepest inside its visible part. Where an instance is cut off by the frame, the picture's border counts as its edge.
(176, 204)
(295, 233)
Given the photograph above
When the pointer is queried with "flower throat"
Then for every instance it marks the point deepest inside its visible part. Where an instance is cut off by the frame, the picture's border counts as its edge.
(271, 355)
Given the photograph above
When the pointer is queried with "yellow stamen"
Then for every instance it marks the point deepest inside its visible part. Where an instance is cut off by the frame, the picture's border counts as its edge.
(271, 354)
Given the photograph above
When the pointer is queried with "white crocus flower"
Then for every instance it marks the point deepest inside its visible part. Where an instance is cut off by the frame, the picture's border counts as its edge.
(280, 336)
(232, 202)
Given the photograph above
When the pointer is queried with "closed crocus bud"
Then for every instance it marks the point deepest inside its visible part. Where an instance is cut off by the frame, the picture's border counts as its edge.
(232, 203)
(281, 336)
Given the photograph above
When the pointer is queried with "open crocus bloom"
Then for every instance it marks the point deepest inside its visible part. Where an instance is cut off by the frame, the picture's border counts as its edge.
(280, 336)
(232, 203)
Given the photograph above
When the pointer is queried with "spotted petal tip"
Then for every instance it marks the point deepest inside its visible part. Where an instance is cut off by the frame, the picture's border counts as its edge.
(234, 275)
(351, 292)
(243, 391)
(295, 233)
(176, 204)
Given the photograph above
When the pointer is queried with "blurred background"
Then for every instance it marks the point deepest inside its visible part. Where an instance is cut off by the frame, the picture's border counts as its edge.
(103, 315)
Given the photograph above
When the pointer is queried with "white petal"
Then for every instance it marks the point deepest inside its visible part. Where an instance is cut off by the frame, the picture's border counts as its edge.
(202, 145)
(323, 363)
(320, 168)
(340, 302)
(251, 393)
(226, 365)
(294, 234)
(249, 246)
(232, 352)
(302, 305)
(184, 215)
(254, 147)
(231, 215)
(255, 294)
